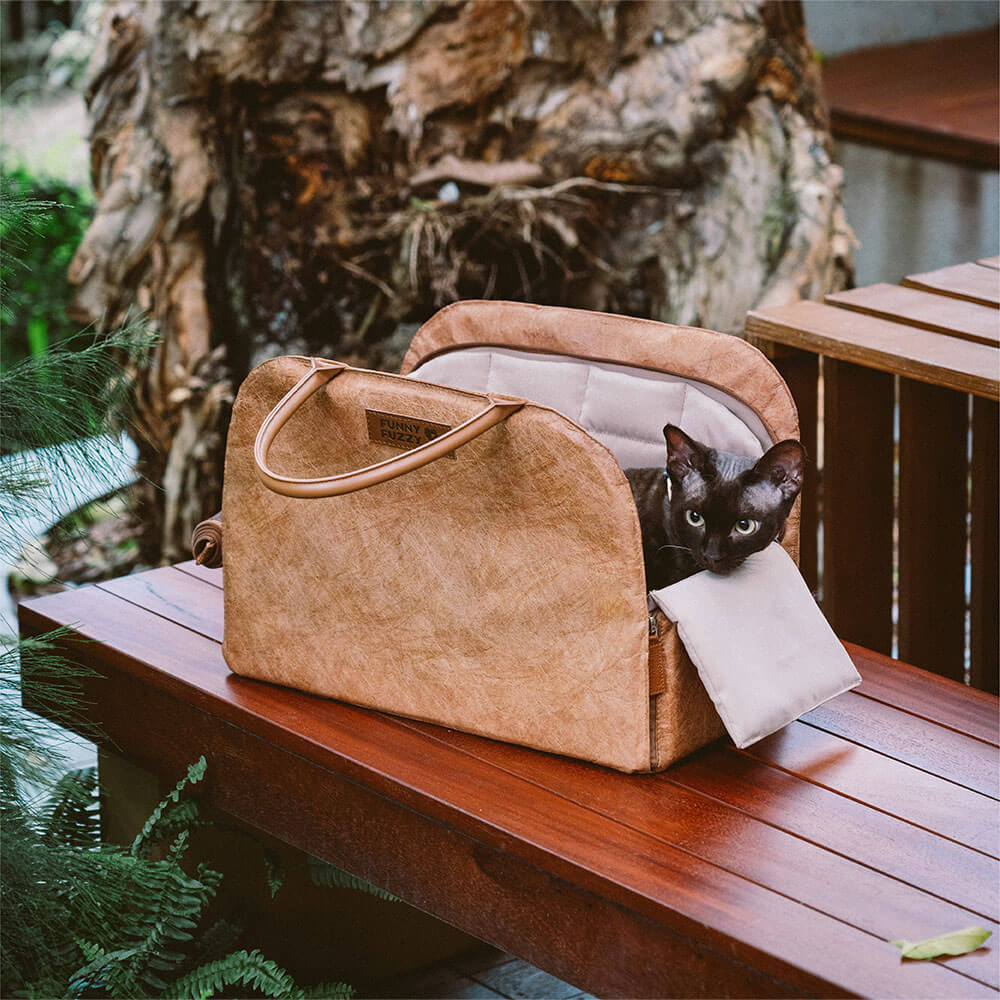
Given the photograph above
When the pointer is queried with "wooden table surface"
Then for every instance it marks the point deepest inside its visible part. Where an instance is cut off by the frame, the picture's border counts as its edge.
(937, 97)
(781, 870)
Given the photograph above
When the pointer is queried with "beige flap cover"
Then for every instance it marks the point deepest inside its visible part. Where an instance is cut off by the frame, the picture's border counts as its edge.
(501, 592)
(763, 649)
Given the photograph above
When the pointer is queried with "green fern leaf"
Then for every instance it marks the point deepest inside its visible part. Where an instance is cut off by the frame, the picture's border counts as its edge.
(241, 968)
(329, 876)
(144, 838)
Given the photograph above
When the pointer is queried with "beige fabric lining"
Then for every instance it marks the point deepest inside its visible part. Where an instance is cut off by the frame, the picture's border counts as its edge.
(623, 407)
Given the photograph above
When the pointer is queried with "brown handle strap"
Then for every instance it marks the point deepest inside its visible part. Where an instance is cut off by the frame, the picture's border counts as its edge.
(318, 375)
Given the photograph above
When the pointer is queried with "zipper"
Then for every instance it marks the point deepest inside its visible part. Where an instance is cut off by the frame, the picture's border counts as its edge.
(654, 630)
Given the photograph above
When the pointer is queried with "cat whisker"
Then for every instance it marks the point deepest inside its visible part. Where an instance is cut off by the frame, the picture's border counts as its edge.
(683, 548)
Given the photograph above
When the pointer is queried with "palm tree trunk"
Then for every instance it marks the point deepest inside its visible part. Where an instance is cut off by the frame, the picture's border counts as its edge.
(318, 177)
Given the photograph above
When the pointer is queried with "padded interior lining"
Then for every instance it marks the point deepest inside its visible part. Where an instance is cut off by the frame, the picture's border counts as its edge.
(625, 408)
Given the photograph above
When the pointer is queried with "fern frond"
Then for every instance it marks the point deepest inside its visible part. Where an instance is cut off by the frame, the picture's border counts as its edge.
(329, 876)
(329, 991)
(145, 837)
(274, 868)
(71, 816)
(241, 968)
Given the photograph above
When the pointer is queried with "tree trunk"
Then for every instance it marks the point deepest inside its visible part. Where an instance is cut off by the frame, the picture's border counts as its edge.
(318, 177)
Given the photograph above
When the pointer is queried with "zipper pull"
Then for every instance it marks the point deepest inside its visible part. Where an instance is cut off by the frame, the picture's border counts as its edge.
(653, 629)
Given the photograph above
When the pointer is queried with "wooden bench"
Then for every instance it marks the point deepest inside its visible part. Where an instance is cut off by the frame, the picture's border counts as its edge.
(782, 870)
(908, 376)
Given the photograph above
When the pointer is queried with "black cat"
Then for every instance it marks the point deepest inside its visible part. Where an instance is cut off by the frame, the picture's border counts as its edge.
(709, 509)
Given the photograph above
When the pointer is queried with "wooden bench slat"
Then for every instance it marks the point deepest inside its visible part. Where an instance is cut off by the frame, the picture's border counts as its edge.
(777, 935)
(963, 709)
(883, 345)
(916, 856)
(711, 830)
(927, 310)
(174, 595)
(212, 576)
(957, 758)
(883, 783)
(993, 262)
(171, 594)
(960, 281)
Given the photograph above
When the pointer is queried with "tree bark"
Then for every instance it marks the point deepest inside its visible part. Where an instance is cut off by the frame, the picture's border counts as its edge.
(318, 177)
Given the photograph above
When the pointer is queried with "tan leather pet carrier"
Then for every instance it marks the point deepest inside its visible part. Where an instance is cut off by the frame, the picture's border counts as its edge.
(459, 544)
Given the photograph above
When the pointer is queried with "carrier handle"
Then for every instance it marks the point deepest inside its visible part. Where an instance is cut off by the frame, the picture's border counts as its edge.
(322, 371)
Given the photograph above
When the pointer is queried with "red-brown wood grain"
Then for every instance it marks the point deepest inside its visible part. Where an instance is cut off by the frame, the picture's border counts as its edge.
(965, 710)
(984, 542)
(961, 281)
(926, 310)
(857, 522)
(961, 759)
(675, 884)
(936, 97)
(882, 842)
(903, 573)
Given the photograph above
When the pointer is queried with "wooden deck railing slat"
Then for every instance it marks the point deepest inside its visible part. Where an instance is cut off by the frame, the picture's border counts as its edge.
(960, 281)
(919, 337)
(933, 442)
(858, 503)
(880, 344)
(984, 638)
(926, 310)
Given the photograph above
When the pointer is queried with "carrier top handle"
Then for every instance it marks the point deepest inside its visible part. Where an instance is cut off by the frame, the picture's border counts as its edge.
(320, 372)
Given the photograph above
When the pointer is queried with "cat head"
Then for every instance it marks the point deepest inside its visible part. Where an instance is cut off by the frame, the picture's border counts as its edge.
(724, 507)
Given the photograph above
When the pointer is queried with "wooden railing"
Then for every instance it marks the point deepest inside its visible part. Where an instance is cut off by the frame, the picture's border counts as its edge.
(897, 390)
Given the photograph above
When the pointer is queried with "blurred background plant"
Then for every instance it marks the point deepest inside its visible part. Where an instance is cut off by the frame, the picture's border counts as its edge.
(42, 220)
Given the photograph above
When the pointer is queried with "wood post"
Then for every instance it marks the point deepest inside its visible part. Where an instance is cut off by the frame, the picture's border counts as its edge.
(932, 527)
(858, 503)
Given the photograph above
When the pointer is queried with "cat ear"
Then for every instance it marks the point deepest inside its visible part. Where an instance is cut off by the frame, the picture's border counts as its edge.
(783, 466)
(684, 456)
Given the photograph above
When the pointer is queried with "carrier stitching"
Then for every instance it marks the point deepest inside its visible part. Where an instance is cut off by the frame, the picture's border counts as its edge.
(489, 371)
(684, 400)
(586, 390)
(618, 434)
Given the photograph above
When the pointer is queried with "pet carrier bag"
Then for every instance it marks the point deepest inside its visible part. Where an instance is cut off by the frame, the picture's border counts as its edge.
(459, 544)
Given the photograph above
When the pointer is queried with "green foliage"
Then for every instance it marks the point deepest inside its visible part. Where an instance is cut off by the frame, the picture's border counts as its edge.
(955, 943)
(160, 818)
(85, 920)
(70, 404)
(330, 877)
(248, 968)
(79, 918)
(42, 222)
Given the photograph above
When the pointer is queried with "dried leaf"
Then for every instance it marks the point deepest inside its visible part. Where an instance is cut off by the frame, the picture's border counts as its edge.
(955, 943)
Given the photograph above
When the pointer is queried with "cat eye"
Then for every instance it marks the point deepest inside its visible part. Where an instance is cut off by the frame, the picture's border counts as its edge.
(694, 518)
(746, 526)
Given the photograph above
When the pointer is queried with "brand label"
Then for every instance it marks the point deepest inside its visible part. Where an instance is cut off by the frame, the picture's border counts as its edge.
(399, 431)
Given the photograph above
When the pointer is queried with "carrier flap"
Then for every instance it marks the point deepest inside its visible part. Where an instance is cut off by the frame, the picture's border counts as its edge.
(763, 649)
